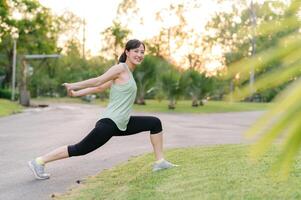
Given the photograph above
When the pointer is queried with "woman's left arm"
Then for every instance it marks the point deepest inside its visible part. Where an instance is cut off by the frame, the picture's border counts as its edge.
(109, 75)
(90, 90)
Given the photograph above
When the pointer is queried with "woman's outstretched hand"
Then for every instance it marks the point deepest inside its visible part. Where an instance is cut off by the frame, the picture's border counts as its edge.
(70, 92)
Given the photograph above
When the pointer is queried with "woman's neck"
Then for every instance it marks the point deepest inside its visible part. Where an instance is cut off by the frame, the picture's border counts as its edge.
(130, 65)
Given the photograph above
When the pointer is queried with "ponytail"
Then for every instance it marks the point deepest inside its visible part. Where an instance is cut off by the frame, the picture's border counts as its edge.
(122, 58)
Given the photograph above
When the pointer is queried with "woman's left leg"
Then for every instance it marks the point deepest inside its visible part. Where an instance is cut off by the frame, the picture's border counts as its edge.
(157, 143)
(139, 124)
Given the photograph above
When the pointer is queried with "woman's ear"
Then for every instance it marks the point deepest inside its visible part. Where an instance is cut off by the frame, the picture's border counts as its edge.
(127, 52)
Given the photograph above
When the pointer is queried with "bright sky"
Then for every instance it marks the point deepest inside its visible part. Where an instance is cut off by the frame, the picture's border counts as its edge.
(99, 16)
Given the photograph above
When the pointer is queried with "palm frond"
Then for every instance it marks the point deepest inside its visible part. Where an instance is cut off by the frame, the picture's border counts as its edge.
(290, 148)
(283, 122)
(276, 26)
(271, 79)
(286, 46)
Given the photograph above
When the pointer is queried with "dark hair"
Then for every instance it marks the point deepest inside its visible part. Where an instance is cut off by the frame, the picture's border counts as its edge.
(131, 44)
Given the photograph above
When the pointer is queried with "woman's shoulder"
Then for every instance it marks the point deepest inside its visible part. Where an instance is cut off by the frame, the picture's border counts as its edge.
(120, 67)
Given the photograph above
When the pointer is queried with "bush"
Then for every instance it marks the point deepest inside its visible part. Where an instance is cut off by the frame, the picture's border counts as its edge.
(5, 94)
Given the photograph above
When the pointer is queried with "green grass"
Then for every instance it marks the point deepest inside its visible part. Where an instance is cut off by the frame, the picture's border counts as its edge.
(8, 107)
(182, 106)
(217, 172)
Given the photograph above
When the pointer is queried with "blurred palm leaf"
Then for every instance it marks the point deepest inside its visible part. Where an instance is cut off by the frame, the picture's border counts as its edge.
(283, 120)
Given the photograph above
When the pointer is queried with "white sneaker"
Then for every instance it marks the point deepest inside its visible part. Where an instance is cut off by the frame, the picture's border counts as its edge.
(164, 164)
(38, 170)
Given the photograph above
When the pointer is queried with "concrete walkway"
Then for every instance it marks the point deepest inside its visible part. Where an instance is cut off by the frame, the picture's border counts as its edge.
(37, 131)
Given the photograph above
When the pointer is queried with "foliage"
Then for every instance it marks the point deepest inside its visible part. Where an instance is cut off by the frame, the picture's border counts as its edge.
(5, 94)
(145, 76)
(36, 30)
(176, 37)
(197, 86)
(236, 33)
(114, 40)
(171, 84)
(39, 31)
(283, 119)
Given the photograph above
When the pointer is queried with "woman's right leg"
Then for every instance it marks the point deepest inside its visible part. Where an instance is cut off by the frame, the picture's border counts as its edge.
(57, 154)
(102, 132)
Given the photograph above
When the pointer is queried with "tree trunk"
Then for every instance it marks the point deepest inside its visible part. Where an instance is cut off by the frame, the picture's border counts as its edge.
(24, 98)
(195, 102)
(8, 68)
(24, 93)
(140, 101)
(171, 104)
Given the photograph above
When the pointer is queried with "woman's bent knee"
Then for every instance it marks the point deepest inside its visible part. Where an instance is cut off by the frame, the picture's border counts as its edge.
(157, 126)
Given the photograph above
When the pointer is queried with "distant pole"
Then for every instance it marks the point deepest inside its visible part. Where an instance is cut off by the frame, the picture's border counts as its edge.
(253, 43)
(231, 90)
(84, 37)
(14, 69)
(169, 51)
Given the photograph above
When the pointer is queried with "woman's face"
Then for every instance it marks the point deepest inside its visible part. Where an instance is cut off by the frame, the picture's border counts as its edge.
(136, 56)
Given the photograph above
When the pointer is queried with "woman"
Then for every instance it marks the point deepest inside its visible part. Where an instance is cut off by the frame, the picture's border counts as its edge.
(116, 120)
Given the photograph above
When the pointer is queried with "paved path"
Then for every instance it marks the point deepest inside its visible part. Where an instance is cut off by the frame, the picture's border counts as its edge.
(37, 131)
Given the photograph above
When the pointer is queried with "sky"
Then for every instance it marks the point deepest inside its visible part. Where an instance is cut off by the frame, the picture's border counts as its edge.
(100, 14)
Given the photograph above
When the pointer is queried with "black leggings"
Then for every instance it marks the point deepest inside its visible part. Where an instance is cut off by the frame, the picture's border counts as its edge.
(106, 128)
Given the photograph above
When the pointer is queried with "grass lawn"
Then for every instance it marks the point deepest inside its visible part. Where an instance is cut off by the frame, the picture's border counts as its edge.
(182, 106)
(216, 172)
(8, 107)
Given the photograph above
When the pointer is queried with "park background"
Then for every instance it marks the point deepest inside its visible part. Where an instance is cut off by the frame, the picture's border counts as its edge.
(198, 54)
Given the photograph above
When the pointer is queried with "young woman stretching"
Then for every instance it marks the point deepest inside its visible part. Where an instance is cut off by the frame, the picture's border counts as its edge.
(116, 120)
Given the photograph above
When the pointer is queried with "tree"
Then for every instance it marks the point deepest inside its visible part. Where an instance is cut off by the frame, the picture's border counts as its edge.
(283, 119)
(128, 11)
(117, 35)
(37, 32)
(145, 75)
(68, 24)
(72, 67)
(173, 22)
(172, 85)
(115, 38)
(5, 30)
(196, 86)
(232, 32)
(4, 18)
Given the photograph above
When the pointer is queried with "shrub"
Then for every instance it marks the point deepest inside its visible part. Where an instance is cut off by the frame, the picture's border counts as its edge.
(5, 94)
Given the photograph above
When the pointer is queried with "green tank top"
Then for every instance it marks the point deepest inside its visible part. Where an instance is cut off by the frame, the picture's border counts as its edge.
(122, 97)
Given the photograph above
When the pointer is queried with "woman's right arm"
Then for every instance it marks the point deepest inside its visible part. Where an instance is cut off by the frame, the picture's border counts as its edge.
(91, 90)
(109, 75)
